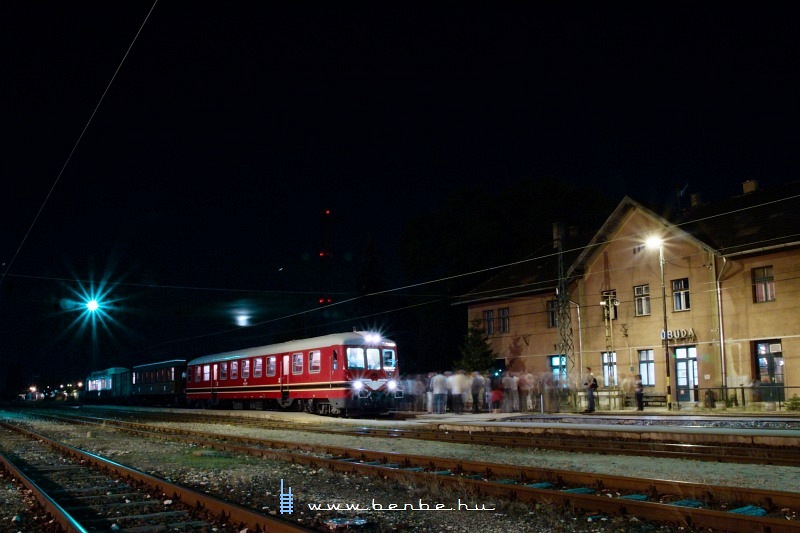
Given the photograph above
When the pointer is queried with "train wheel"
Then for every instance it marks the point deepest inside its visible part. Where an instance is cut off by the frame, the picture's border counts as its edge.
(310, 406)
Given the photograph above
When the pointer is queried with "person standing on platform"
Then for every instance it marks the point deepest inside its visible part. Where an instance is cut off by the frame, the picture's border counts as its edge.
(638, 390)
(477, 392)
(439, 386)
(591, 386)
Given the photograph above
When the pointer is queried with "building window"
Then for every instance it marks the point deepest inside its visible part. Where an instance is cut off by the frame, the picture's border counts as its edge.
(610, 369)
(680, 295)
(314, 362)
(504, 320)
(297, 363)
(558, 365)
(552, 313)
(641, 295)
(647, 367)
(763, 285)
(488, 321)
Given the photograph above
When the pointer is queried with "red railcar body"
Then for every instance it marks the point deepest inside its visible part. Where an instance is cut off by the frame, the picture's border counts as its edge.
(333, 374)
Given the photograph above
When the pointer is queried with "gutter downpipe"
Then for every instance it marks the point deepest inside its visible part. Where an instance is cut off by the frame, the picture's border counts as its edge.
(721, 325)
(580, 336)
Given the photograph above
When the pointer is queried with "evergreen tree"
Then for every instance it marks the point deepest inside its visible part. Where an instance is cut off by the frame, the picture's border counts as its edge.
(476, 354)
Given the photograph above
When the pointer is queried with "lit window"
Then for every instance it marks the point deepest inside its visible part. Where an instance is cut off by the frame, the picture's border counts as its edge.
(245, 368)
(314, 362)
(206, 372)
(271, 365)
(223, 371)
(641, 295)
(558, 365)
(680, 294)
(373, 359)
(234, 369)
(355, 358)
(763, 285)
(297, 363)
(257, 364)
(389, 361)
(610, 369)
(647, 367)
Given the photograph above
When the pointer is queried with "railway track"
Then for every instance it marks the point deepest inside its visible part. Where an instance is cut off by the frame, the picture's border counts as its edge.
(744, 452)
(679, 503)
(80, 492)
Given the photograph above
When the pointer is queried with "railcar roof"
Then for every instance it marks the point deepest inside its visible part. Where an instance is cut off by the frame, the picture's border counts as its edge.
(352, 337)
(162, 364)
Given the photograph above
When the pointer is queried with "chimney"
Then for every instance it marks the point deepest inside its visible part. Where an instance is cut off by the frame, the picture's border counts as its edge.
(749, 186)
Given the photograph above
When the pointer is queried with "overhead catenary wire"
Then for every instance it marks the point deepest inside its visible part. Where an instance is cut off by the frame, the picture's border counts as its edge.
(74, 147)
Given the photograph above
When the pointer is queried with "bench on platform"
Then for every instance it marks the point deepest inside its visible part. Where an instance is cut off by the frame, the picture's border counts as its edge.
(649, 400)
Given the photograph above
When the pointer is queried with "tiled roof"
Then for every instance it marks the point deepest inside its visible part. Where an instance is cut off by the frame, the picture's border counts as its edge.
(749, 223)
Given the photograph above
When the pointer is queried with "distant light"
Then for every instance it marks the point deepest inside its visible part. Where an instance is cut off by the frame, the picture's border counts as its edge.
(654, 243)
(92, 305)
(242, 320)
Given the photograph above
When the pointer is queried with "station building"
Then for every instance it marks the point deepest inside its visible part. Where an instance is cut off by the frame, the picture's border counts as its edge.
(723, 316)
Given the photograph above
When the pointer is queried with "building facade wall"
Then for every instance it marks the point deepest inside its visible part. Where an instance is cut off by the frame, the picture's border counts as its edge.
(695, 335)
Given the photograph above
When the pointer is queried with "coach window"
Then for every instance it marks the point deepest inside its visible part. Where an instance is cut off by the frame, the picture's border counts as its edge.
(234, 369)
(388, 360)
(314, 359)
(297, 363)
(198, 374)
(355, 358)
(271, 365)
(373, 359)
(246, 369)
(206, 372)
(257, 363)
(223, 371)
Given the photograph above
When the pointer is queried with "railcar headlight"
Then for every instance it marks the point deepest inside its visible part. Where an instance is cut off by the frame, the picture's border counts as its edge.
(358, 385)
(391, 385)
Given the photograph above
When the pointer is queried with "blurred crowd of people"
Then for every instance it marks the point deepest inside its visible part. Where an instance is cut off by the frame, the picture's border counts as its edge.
(460, 391)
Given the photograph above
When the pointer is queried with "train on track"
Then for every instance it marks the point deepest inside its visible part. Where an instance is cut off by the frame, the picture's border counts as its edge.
(338, 374)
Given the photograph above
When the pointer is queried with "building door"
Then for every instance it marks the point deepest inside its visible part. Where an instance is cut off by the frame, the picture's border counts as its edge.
(686, 373)
(769, 372)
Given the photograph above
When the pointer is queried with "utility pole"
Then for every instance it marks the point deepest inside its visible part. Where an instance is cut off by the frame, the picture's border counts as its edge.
(566, 345)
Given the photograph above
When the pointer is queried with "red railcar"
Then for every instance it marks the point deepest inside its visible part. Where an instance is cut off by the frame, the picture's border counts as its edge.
(334, 374)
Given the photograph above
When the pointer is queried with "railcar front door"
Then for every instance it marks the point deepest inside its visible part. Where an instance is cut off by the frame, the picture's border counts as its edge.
(285, 379)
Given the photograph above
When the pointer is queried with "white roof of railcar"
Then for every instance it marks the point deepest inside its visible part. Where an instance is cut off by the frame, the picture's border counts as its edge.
(352, 337)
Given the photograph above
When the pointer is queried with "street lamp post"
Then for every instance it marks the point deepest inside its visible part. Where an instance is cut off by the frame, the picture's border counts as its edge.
(654, 242)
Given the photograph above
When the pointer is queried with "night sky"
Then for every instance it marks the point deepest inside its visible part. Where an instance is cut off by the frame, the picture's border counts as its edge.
(196, 190)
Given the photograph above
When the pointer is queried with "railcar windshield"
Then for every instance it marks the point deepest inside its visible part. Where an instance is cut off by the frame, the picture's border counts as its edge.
(376, 358)
(389, 359)
(355, 358)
